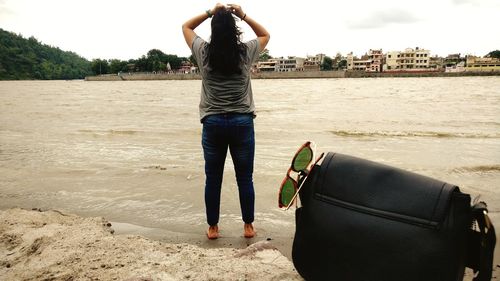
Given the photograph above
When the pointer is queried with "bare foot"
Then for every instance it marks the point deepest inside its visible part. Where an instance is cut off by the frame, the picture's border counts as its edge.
(213, 232)
(249, 231)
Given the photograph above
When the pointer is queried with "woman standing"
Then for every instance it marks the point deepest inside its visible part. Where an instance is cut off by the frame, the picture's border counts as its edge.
(226, 107)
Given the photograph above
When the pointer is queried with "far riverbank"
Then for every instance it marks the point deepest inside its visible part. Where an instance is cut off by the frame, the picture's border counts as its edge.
(287, 75)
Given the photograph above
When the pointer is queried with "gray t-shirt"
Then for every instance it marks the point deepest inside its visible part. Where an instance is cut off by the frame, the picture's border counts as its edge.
(223, 93)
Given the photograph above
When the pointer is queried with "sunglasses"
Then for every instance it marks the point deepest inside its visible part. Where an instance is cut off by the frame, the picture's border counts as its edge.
(290, 187)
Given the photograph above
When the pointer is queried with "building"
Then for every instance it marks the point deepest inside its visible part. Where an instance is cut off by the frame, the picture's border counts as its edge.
(186, 67)
(436, 63)
(282, 64)
(371, 62)
(459, 67)
(360, 65)
(350, 61)
(452, 60)
(311, 66)
(376, 58)
(355, 64)
(290, 64)
(266, 66)
(477, 64)
(408, 60)
(313, 63)
(392, 61)
(318, 59)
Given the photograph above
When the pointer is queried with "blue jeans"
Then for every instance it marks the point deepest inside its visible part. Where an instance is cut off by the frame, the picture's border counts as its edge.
(235, 131)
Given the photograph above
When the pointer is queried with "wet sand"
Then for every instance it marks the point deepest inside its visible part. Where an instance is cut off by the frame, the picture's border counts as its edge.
(227, 239)
(52, 245)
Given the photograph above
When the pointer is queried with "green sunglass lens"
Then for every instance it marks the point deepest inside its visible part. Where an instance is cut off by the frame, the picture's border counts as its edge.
(304, 157)
(287, 192)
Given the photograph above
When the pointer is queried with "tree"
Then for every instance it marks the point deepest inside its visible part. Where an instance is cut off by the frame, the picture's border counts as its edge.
(155, 53)
(327, 64)
(175, 61)
(22, 58)
(342, 64)
(154, 59)
(116, 66)
(494, 54)
(336, 60)
(100, 66)
(264, 55)
(141, 64)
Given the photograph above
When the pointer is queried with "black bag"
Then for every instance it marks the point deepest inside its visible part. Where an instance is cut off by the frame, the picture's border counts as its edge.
(364, 221)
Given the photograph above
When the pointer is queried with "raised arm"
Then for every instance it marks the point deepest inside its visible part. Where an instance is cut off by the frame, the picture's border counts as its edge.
(262, 35)
(189, 26)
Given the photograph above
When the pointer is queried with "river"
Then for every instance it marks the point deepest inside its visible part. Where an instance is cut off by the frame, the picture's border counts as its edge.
(131, 151)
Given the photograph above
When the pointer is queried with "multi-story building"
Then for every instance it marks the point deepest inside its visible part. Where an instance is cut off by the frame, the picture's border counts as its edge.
(475, 64)
(392, 60)
(422, 58)
(290, 64)
(376, 59)
(313, 63)
(353, 63)
(282, 64)
(311, 66)
(436, 63)
(371, 62)
(269, 65)
(318, 59)
(452, 60)
(360, 65)
(409, 60)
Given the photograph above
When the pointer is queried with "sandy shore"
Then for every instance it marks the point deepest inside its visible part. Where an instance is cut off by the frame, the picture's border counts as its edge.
(51, 245)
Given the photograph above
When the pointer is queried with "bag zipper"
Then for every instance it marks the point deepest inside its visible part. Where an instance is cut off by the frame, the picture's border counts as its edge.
(379, 213)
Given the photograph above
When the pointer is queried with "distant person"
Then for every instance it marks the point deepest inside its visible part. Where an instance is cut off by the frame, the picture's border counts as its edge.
(227, 107)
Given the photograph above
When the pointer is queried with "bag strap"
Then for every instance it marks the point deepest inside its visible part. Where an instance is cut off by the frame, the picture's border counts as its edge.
(481, 244)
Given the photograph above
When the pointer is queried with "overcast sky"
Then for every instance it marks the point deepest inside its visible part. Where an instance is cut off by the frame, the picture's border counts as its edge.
(126, 29)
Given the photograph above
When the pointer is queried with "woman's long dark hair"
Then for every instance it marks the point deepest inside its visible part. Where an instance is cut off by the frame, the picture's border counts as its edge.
(225, 51)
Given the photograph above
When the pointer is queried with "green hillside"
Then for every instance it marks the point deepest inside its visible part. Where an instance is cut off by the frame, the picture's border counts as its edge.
(22, 58)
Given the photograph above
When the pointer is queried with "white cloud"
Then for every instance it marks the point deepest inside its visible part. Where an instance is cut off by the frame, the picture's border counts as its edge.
(4, 10)
(126, 29)
(460, 2)
(384, 18)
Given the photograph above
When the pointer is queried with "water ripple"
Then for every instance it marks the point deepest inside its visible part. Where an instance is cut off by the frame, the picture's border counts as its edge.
(426, 134)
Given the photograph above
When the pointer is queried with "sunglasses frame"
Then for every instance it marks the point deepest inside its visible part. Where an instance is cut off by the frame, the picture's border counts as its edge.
(304, 173)
(295, 185)
(308, 145)
(304, 180)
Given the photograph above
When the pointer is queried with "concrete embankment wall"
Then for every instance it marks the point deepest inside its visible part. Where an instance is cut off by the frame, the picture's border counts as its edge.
(299, 75)
(363, 74)
(139, 77)
(261, 75)
(289, 75)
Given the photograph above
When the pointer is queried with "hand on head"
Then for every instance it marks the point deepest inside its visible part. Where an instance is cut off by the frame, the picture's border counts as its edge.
(217, 7)
(233, 8)
(236, 10)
